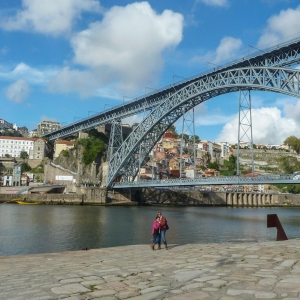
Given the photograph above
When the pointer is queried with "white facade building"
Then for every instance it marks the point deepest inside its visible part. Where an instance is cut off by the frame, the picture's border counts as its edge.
(225, 148)
(13, 146)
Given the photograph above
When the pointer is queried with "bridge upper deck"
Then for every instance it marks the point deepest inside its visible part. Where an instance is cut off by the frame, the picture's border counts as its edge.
(283, 55)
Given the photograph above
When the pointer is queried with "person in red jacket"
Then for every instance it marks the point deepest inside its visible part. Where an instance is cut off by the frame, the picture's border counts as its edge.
(163, 228)
(155, 232)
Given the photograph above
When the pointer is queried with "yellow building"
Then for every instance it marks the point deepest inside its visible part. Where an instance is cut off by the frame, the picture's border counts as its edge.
(61, 145)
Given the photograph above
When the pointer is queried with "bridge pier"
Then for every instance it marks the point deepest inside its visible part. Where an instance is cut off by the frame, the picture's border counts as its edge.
(250, 199)
(229, 199)
(245, 199)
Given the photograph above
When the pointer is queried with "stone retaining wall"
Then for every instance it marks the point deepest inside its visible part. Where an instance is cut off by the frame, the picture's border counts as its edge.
(194, 197)
(84, 195)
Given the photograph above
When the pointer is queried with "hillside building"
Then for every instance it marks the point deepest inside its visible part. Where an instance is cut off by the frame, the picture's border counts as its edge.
(46, 127)
(61, 145)
(36, 148)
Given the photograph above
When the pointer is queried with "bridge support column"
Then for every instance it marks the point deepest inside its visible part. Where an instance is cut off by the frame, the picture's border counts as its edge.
(245, 199)
(263, 200)
(235, 199)
(251, 199)
(255, 199)
(259, 200)
(229, 200)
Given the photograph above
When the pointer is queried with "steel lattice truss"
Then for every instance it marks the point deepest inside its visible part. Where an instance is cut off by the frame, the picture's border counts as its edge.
(280, 56)
(116, 138)
(136, 147)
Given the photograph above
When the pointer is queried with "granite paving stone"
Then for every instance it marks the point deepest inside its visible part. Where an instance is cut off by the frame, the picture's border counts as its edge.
(266, 270)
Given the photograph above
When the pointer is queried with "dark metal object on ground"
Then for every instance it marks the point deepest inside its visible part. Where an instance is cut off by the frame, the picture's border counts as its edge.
(273, 221)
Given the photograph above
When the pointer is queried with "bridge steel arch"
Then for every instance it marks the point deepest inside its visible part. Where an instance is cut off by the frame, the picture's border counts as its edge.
(135, 149)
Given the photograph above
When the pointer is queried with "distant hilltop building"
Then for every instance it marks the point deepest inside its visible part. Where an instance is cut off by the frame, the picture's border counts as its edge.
(10, 129)
(4, 125)
(47, 126)
(32, 133)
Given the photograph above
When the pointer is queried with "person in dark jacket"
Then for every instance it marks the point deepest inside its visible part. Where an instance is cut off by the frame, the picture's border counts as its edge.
(163, 228)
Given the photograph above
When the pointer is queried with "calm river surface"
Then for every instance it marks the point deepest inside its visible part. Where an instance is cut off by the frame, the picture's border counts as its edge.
(28, 229)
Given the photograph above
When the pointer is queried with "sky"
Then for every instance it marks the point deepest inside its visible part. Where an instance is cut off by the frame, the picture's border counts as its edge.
(67, 60)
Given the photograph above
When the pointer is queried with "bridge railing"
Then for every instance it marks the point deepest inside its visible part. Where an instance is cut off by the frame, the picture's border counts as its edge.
(218, 180)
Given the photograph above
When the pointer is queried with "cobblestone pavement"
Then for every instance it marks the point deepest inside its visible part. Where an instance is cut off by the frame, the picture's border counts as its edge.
(269, 270)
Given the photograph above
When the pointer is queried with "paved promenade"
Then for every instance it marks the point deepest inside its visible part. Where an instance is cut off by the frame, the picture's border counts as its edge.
(269, 270)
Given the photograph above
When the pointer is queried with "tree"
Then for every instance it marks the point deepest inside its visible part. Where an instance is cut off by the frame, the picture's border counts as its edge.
(7, 155)
(289, 164)
(293, 142)
(229, 167)
(92, 147)
(25, 167)
(24, 155)
(185, 137)
(197, 139)
(213, 165)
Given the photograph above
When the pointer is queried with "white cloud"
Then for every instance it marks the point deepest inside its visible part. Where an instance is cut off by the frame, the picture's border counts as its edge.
(268, 125)
(49, 17)
(293, 111)
(33, 75)
(67, 80)
(227, 50)
(18, 91)
(285, 25)
(126, 46)
(203, 118)
(214, 2)
(213, 119)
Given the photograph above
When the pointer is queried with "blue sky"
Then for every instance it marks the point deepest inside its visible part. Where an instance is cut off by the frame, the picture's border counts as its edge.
(65, 60)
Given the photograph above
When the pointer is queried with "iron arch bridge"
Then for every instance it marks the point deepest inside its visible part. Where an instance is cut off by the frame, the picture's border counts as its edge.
(283, 55)
(134, 151)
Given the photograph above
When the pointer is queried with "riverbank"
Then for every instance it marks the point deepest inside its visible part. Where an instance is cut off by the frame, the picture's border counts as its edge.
(172, 197)
(269, 270)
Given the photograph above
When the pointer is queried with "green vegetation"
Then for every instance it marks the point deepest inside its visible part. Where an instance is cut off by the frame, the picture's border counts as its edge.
(289, 164)
(65, 153)
(229, 167)
(213, 165)
(293, 142)
(93, 146)
(25, 167)
(38, 169)
(24, 155)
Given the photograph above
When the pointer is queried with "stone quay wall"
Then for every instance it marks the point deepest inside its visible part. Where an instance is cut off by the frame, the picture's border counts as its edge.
(83, 196)
(101, 196)
(194, 197)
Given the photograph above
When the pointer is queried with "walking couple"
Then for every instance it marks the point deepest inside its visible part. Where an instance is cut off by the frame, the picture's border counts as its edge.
(159, 228)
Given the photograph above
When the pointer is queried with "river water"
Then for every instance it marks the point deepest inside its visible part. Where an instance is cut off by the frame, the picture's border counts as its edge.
(26, 229)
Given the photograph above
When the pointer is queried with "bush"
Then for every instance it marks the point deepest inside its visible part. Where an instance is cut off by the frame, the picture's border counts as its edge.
(38, 169)
(65, 153)
(92, 147)
(25, 167)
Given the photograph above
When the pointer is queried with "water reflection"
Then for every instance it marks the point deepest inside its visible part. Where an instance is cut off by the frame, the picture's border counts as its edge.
(41, 229)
